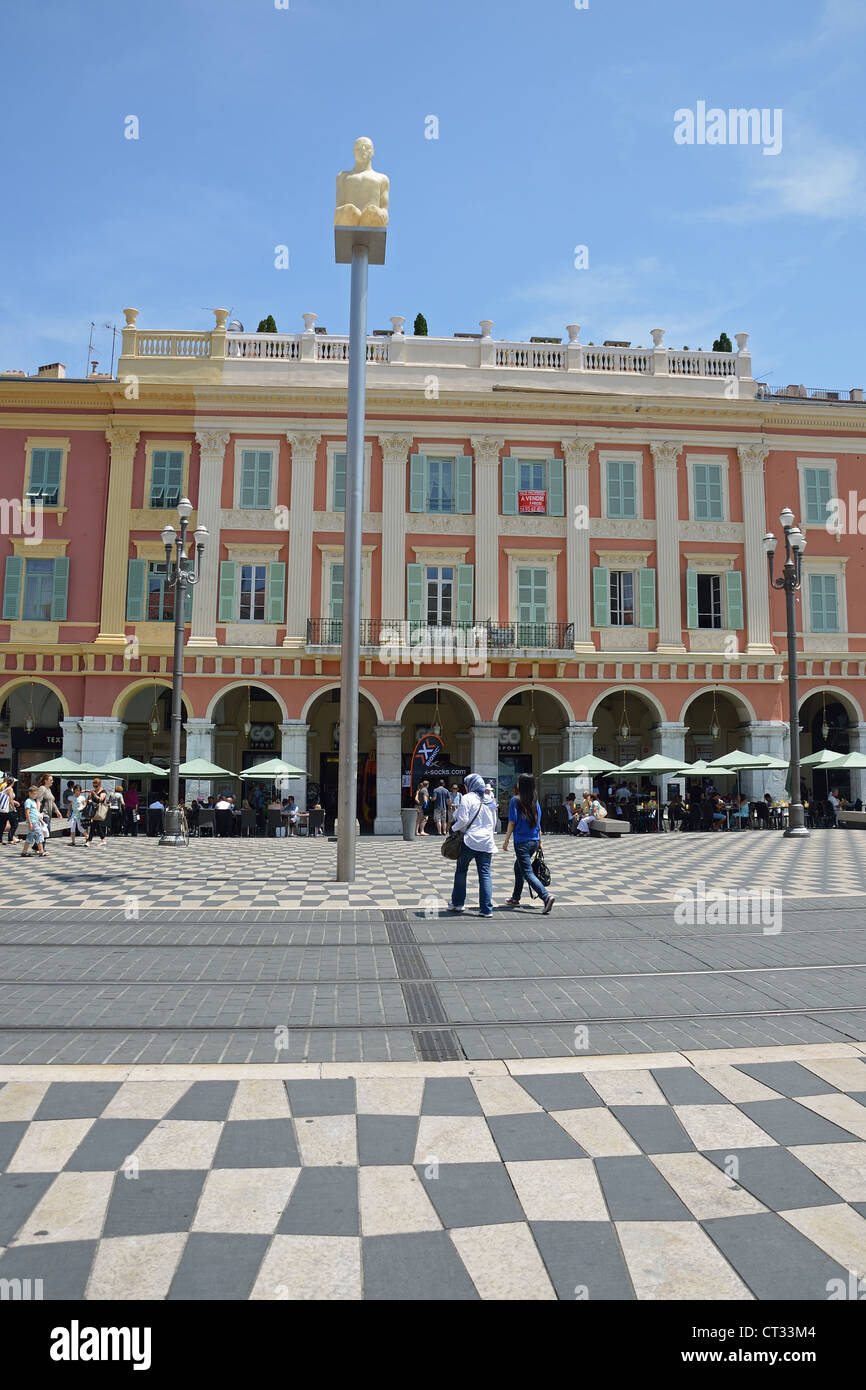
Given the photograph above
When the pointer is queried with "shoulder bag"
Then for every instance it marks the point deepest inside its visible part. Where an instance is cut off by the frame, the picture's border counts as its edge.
(452, 845)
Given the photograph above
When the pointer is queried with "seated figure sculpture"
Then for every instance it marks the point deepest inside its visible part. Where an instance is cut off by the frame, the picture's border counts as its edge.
(362, 193)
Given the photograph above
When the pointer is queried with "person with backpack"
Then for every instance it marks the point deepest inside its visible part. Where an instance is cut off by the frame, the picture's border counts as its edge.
(524, 827)
(98, 804)
(476, 820)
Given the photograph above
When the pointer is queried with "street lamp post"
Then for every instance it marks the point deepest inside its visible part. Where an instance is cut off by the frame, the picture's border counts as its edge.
(182, 572)
(790, 580)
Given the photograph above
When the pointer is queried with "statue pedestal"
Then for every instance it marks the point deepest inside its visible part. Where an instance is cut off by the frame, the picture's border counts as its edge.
(371, 237)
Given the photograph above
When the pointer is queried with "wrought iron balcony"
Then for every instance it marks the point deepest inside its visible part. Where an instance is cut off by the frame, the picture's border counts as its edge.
(516, 636)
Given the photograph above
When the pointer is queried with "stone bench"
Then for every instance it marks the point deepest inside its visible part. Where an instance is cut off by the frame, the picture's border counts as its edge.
(614, 825)
(852, 818)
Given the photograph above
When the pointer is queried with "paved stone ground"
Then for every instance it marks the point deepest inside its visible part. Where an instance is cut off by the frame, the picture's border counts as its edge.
(719, 1176)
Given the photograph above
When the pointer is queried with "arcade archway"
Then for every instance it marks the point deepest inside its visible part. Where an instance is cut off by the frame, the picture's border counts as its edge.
(323, 718)
(30, 725)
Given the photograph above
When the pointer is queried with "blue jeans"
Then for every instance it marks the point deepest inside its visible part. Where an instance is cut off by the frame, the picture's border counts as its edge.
(524, 853)
(485, 878)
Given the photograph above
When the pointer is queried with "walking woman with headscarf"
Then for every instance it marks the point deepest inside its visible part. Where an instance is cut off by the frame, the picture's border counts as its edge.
(476, 817)
(524, 824)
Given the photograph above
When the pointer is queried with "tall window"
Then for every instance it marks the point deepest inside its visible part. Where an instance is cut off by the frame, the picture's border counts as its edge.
(709, 600)
(823, 603)
(622, 598)
(532, 475)
(532, 595)
(440, 595)
(38, 587)
(440, 485)
(45, 470)
(253, 588)
(255, 492)
(160, 597)
(336, 594)
(166, 478)
(816, 488)
(708, 492)
(621, 488)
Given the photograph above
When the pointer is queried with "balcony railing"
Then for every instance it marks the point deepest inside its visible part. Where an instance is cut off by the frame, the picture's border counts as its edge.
(375, 632)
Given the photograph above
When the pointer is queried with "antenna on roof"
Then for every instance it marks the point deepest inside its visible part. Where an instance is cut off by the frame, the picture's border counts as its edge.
(90, 345)
(114, 333)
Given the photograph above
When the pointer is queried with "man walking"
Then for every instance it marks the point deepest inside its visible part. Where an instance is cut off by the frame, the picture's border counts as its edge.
(440, 808)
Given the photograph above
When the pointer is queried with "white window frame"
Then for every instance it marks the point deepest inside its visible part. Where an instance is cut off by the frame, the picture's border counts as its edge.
(824, 564)
(717, 460)
(631, 456)
(723, 600)
(262, 445)
(254, 622)
(337, 446)
(447, 564)
(160, 446)
(803, 462)
(333, 555)
(635, 598)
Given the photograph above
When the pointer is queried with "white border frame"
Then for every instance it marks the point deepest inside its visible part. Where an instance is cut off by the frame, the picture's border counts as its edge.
(271, 445)
(722, 461)
(634, 456)
(804, 462)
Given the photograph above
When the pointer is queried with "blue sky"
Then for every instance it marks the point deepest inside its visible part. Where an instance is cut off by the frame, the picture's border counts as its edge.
(556, 129)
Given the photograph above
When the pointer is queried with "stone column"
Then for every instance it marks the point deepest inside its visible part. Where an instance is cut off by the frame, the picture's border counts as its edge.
(577, 453)
(212, 451)
(671, 740)
(72, 739)
(857, 744)
(485, 748)
(115, 553)
(199, 740)
(670, 638)
(300, 569)
(487, 450)
(293, 733)
(577, 743)
(395, 454)
(759, 642)
(389, 768)
(101, 740)
(765, 736)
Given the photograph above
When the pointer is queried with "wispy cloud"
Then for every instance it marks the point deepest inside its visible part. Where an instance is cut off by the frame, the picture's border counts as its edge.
(812, 178)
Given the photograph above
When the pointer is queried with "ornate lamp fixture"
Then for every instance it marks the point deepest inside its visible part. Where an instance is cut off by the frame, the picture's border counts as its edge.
(248, 723)
(30, 717)
(715, 726)
(533, 727)
(154, 714)
(825, 727)
(436, 726)
(624, 730)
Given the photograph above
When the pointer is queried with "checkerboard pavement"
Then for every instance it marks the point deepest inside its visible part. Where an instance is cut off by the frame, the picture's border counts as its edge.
(391, 873)
(730, 1175)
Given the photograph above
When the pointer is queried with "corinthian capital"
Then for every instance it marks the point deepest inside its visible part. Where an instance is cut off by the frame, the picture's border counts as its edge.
(752, 455)
(665, 455)
(212, 441)
(304, 444)
(487, 447)
(395, 447)
(576, 452)
(122, 439)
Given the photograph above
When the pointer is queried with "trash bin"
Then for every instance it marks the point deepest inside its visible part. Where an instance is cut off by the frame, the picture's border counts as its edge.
(409, 817)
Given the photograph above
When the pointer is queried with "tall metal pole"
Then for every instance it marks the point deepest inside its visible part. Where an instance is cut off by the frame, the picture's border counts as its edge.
(171, 826)
(796, 812)
(347, 790)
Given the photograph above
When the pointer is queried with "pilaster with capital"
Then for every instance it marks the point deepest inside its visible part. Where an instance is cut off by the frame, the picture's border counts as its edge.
(487, 450)
(670, 638)
(112, 619)
(212, 451)
(305, 446)
(752, 458)
(395, 454)
(576, 453)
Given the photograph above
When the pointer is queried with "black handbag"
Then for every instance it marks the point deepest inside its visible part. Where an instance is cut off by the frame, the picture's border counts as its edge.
(540, 869)
(452, 845)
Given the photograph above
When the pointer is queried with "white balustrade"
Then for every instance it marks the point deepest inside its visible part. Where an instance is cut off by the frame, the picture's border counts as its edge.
(615, 359)
(172, 344)
(271, 346)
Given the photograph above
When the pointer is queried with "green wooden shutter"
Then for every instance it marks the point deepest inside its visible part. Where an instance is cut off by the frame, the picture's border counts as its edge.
(264, 465)
(136, 590)
(555, 487)
(600, 596)
(734, 599)
(647, 598)
(336, 594)
(415, 593)
(45, 469)
(464, 483)
(173, 478)
(12, 588)
(417, 482)
(628, 495)
(691, 598)
(157, 480)
(701, 490)
(228, 584)
(338, 497)
(823, 603)
(509, 485)
(37, 471)
(465, 593)
(248, 478)
(614, 487)
(60, 589)
(276, 592)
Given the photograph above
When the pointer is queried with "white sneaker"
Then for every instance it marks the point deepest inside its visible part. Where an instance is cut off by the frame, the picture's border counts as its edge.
(452, 908)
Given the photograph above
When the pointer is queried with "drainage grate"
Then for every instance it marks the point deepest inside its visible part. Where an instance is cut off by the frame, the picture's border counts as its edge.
(420, 995)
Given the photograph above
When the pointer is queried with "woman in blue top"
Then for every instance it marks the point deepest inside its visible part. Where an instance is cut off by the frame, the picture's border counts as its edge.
(524, 824)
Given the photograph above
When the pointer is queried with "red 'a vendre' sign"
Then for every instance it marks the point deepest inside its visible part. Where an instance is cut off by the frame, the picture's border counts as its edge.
(532, 502)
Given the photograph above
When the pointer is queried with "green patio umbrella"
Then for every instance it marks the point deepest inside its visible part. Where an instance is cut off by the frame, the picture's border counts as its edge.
(739, 761)
(701, 769)
(825, 758)
(65, 767)
(271, 770)
(575, 766)
(204, 771)
(848, 761)
(131, 767)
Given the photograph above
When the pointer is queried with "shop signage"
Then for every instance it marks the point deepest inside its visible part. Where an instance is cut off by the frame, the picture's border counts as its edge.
(509, 740)
(262, 735)
(38, 738)
(532, 502)
(426, 755)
